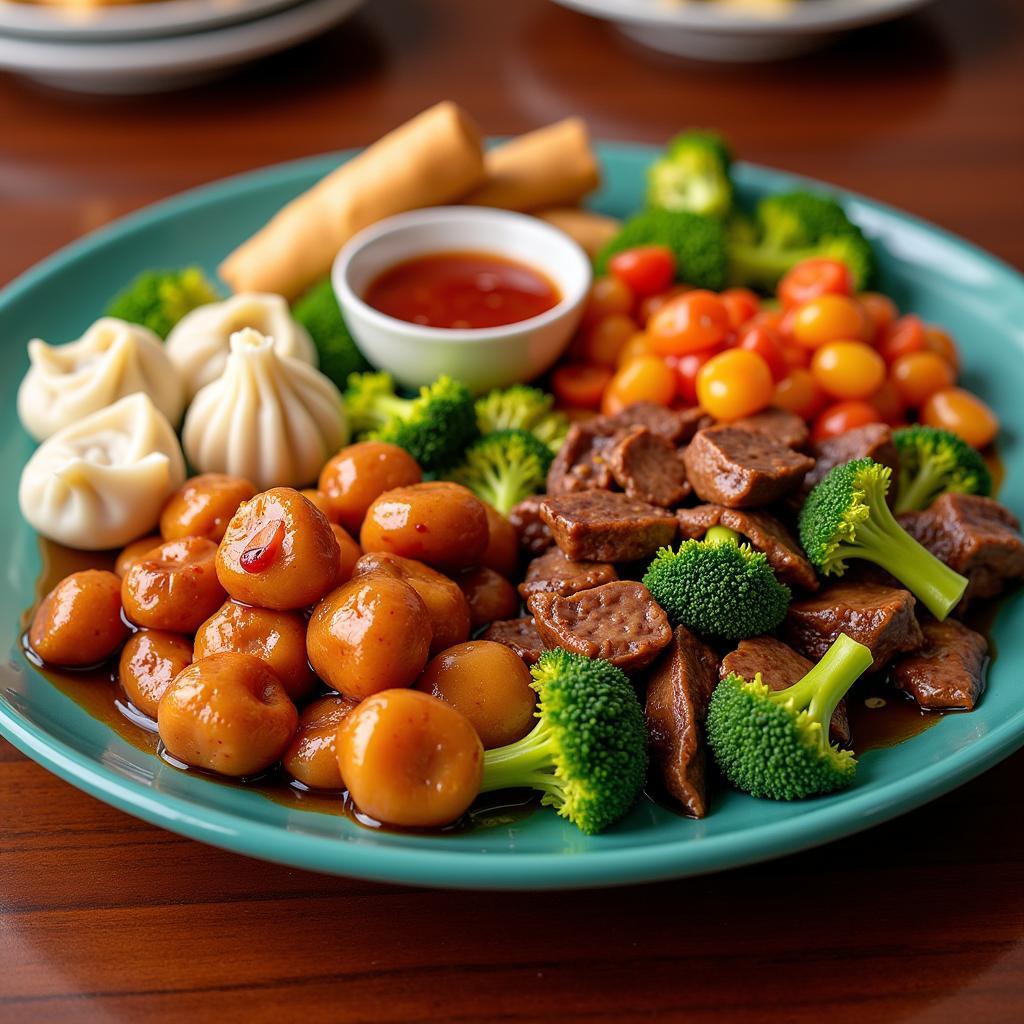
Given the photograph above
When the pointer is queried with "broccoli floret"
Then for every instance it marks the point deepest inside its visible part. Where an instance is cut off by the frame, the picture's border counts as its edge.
(158, 299)
(692, 174)
(794, 227)
(435, 428)
(522, 408)
(846, 516)
(318, 311)
(588, 752)
(504, 467)
(774, 744)
(934, 461)
(718, 587)
(697, 242)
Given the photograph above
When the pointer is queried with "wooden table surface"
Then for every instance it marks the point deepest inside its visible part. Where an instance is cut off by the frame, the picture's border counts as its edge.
(105, 918)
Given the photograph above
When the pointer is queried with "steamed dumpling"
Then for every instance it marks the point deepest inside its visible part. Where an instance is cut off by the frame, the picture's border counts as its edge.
(112, 359)
(101, 482)
(198, 344)
(269, 419)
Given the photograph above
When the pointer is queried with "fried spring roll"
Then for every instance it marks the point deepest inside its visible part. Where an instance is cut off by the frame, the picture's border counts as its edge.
(433, 159)
(590, 230)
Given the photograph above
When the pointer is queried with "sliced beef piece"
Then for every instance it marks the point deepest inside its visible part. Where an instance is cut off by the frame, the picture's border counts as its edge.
(619, 622)
(598, 526)
(519, 634)
(764, 532)
(780, 666)
(742, 468)
(880, 617)
(785, 427)
(675, 425)
(679, 686)
(948, 673)
(553, 573)
(581, 463)
(977, 537)
(648, 467)
(873, 441)
(533, 533)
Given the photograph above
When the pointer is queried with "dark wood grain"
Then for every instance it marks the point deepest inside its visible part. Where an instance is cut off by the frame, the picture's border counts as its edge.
(105, 918)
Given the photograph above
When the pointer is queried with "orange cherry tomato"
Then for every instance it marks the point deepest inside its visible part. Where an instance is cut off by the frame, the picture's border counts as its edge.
(646, 269)
(638, 345)
(644, 379)
(902, 336)
(880, 310)
(686, 368)
(607, 295)
(602, 341)
(580, 385)
(918, 375)
(689, 323)
(767, 343)
(813, 278)
(938, 341)
(734, 384)
(828, 318)
(889, 404)
(741, 304)
(843, 416)
(650, 305)
(848, 369)
(798, 393)
(959, 411)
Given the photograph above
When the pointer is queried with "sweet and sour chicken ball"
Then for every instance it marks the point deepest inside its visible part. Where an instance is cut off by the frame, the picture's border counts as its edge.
(312, 756)
(78, 623)
(490, 597)
(150, 662)
(502, 551)
(278, 552)
(229, 714)
(135, 552)
(203, 506)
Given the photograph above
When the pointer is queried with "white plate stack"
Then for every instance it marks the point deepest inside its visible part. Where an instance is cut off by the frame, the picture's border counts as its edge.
(89, 46)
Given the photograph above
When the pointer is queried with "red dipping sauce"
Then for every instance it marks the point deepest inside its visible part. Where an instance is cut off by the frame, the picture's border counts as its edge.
(462, 290)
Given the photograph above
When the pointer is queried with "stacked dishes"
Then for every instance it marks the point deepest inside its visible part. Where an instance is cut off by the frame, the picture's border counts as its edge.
(97, 47)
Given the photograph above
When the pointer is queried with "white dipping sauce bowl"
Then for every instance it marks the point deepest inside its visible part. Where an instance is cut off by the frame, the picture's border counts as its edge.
(483, 358)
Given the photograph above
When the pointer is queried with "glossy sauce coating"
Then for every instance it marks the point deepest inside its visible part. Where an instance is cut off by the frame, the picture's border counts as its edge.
(79, 622)
(135, 552)
(228, 714)
(490, 597)
(318, 498)
(312, 756)
(442, 524)
(203, 506)
(175, 587)
(410, 759)
(490, 684)
(354, 478)
(461, 290)
(301, 566)
(351, 552)
(277, 638)
(372, 633)
(445, 604)
(150, 661)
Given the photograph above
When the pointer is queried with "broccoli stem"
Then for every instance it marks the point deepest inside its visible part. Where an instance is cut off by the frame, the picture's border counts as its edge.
(759, 265)
(826, 684)
(527, 762)
(917, 491)
(881, 540)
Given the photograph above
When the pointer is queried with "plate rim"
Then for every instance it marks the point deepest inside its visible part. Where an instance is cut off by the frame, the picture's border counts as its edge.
(823, 821)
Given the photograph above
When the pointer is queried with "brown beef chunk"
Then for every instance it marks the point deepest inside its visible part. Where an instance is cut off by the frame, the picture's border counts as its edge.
(648, 467)
(764, 532)
(881, 618)
(598, 526)
(977, 537)
(679, 686)
(533, 533)
(619, 622)
(557, 574)
(780, 666)
(742, 468)
(873, 441)
(675, 425)
(785, 427)
(948, 673)
(581, 463)
(519, 634)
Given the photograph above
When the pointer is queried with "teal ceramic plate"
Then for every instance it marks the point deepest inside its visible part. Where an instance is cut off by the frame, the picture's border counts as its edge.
(944, 279)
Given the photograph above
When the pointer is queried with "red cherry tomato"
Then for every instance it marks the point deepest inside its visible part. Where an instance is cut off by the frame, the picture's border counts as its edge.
(902, 337)
(798, 392)
(647, 269)
(607, 295)
(889, 404)
(843, 416)
(689, 323)
(741, 304)
(813, 278)
(686, 368)
(767, 343)
(650, 305)
(880, 310)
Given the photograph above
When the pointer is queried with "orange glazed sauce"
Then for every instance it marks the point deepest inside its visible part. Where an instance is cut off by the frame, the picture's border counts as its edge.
(462, 290)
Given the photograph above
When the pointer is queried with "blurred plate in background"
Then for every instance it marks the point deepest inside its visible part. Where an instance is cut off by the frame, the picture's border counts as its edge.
(167, 62)
(739, 30)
